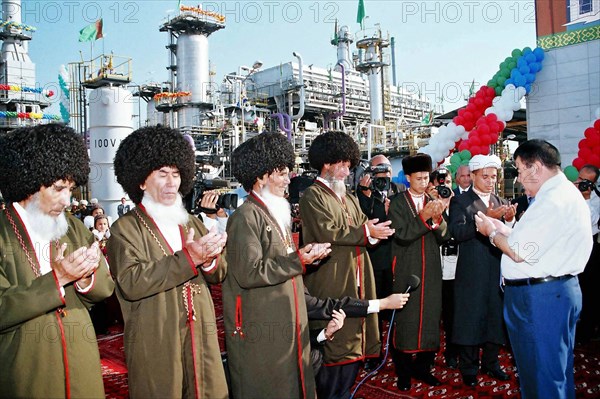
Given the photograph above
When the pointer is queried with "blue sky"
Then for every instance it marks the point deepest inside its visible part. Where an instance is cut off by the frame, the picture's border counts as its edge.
(441, 46)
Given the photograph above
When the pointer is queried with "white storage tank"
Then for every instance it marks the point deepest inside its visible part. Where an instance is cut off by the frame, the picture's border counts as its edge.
(110, 122)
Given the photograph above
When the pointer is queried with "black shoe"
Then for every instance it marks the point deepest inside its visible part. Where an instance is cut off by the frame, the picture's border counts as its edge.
(404, 383)
(371, 364)
(470, 380)
(428, 379)
(452, 363)
(497, 374)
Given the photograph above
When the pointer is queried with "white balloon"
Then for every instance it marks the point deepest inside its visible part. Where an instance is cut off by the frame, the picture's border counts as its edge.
(460, 129)
(521, 91)
(491, 110)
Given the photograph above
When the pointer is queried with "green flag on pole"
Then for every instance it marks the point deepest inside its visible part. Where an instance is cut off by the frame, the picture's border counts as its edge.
(91, 32)
(360, 14)
(472, 89)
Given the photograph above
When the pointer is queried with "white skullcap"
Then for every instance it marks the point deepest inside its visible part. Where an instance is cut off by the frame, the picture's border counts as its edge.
(94, 201)
(83, 202)
(484, 161)
(75, 203)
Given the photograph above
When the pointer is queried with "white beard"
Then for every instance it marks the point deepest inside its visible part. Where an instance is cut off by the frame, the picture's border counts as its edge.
(167, 215)
(48, 228)
(336, 185)
(279, 208)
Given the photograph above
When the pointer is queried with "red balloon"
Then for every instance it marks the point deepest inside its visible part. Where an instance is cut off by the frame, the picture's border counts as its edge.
(468, 116)
(479, 102)
(594, 140)
(597, 125)
(493, 127)
(463, 145)
(469, 125)
(459, 120)
(594, 160)
(590, 132)
(491, 118)
(483, 129)
(475, 141)
(471, 107)
(495, 136)
(501, 125)
(485, 150)
(461, 112)
(584, 153)
(584, 143)
(578, 163)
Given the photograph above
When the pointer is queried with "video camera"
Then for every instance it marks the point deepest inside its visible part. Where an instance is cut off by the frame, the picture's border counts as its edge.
(226, 200)
(439, 180)
(585, 185)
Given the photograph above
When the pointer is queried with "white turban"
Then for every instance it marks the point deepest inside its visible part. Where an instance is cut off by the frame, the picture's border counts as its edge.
(94, 201)
(484, 161)
(83, 202)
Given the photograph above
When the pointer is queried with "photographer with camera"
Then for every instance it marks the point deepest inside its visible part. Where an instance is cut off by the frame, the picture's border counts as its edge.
(478, 319)
(211, 213)
(589, 321)
(440, 186)
(373, 192)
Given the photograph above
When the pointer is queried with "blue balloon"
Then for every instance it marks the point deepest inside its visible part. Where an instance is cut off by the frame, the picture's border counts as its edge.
(527, 50)
(520, 81)
(521, 62)
(514, 73)
(530, 77)
(530, 58)
(524, 70)
(401, 178)
(527, 88)
(509, 82)
(535, 67)
(539, 53)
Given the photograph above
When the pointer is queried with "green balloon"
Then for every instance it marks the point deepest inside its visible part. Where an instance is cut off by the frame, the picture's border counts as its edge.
(499, 90)
(503, 64)
(512, 65)
(505, 72)
(465, 155)
(465, 162)
(500, 83)
(492, 83)
(455, 159)
(516, 53)
(571, 172)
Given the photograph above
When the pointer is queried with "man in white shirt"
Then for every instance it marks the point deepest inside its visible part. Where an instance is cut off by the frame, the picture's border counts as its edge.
(542, 256)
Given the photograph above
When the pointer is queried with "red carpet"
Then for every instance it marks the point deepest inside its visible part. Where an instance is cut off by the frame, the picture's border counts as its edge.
(383, 384)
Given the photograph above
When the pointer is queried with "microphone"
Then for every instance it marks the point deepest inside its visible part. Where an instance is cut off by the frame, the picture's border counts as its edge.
(412, 283)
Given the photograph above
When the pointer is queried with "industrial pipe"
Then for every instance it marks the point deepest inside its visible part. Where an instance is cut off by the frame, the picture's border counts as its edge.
(300, 113)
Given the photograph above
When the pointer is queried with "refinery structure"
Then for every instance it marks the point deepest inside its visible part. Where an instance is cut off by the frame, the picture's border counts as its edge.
(358, 96)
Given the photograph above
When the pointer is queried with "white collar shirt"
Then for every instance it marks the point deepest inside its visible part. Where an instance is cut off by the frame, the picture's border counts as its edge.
(554, 236)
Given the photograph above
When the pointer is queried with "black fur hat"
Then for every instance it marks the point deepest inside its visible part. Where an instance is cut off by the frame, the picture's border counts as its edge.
(36, 157)
(417, 163)
(331, 148)
(261, 154)
(149, 149)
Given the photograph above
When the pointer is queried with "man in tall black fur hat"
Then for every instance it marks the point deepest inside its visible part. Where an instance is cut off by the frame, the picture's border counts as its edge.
(51, 270)
(263, 294)
(329, 214)
(420, 230)
(162, 259)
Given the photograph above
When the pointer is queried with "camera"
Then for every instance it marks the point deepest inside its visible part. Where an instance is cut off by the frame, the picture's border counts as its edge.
(450, 247)
(585, 185)
(379, 183)
(226, 199)
(440, 183)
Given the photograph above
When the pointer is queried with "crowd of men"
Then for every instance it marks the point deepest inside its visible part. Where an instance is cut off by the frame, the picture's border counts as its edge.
(300, 321)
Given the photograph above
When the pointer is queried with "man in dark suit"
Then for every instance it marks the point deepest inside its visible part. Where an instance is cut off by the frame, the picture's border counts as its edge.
(478, 317)
(462, 179)
(522, 202)
(375, 204)
(122, 208)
